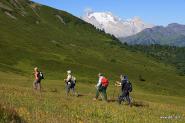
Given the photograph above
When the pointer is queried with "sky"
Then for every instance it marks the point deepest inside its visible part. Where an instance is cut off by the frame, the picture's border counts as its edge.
(158, 12)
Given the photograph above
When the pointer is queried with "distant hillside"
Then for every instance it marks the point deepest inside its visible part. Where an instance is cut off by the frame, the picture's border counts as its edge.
(167, 54)
(173, 34)
(36, 35)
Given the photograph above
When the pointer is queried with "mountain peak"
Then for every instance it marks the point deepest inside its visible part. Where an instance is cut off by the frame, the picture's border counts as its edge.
(115, 25)
(174, 25)
(102, 17)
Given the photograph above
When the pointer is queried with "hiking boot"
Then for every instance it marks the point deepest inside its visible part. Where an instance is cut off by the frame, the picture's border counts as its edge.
(77, 95)
(119, 101)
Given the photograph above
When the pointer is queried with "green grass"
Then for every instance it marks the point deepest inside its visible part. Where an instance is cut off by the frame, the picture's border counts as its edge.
(166, 54)
(52, 105)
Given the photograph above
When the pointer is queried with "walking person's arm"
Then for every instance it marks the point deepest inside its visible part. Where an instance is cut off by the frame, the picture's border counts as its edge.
(99, 82)
(67, 79)
(117, 83)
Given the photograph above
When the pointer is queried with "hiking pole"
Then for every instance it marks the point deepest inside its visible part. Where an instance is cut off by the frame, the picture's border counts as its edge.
(117, 84)
(100, 93)
(114, 91)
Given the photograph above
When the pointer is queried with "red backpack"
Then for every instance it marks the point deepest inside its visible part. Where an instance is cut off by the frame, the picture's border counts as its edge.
(104, 82)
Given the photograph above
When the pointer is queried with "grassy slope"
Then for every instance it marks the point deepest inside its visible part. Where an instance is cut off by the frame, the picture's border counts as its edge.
(167, 54)
(53, 106)
(56, 47)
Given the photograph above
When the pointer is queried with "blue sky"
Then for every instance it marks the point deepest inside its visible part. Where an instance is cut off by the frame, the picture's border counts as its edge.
(158, 12)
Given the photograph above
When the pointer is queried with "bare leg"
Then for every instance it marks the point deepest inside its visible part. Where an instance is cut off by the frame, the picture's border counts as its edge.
(35, 85)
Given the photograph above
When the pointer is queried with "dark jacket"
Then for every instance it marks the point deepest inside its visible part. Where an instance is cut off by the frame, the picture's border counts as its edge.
(124, 85)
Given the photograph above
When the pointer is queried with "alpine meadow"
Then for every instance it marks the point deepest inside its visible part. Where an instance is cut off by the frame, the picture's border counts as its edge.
(35, 35)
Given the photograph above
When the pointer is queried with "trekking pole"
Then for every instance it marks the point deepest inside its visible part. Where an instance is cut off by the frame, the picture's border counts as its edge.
(114, 91)
(100, 93)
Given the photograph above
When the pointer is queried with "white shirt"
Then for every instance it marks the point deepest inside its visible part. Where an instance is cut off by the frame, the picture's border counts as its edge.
(99, 81)
(68, 77)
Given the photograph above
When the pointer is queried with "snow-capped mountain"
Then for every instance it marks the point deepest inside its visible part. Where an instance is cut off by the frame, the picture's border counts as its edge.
(114, 25)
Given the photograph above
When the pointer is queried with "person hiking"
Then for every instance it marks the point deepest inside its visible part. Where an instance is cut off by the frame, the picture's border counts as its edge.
(70, 82)
(38, 77)
(101, 87)
(126, 88)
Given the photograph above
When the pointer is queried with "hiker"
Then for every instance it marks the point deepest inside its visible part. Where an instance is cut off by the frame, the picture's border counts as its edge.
(38, 77)
(126, 88)
(101, 87)
(70, 82)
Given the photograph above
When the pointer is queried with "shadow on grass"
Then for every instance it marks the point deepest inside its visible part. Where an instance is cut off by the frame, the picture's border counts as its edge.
(140, 104)
(134, 103)
(112, 100)
(81, 95)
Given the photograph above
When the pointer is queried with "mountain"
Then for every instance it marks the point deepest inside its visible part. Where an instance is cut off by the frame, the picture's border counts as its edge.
(114, 25)
(173, 34)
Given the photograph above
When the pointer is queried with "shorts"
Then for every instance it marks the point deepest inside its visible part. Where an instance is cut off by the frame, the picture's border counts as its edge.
(37, 81)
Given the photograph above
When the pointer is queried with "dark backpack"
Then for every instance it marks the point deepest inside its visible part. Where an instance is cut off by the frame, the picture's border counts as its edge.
(73, 81)
(40, 75)
(129, 86)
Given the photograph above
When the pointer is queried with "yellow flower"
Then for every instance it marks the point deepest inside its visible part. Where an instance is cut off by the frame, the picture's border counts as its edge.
(23, 112)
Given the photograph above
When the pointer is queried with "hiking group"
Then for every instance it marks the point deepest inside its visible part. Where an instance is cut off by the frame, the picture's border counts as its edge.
(101, 86)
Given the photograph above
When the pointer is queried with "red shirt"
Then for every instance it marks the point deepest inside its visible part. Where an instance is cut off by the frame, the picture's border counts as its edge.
(36, 75)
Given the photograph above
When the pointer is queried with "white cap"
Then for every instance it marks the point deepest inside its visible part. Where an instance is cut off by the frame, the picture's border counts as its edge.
(69, 71)
(100, 74)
